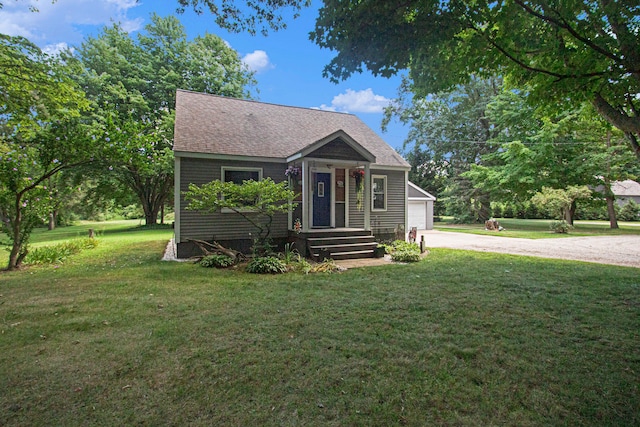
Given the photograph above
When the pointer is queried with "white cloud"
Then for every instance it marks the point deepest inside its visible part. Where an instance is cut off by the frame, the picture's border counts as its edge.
(54, 49)
(363, 101)
(60, 22)
(258, 61)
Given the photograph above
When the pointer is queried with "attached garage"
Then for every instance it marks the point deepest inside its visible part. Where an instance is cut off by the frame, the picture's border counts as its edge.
(420, 204)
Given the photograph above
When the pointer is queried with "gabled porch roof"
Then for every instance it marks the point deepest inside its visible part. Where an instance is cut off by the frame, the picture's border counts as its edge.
(339, 146)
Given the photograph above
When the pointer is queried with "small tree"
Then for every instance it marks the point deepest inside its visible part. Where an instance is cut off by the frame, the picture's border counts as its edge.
(255, 201)
(561, 200)
(41, 134)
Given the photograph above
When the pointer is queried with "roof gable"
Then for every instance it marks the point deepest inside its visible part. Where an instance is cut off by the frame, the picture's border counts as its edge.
(215, 125)
(339, 146)
(417, 193)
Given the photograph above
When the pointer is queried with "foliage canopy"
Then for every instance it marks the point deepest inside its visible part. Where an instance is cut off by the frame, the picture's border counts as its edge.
(41, 134)
(132, 83)
(255, 201)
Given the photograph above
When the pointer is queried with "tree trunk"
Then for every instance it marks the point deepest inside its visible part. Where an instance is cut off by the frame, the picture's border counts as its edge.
(610, 198)
(152, 194)
(162, 214)
(569, 213)
(611, 210)
(14, 255)
(53, 220)
(150, 217)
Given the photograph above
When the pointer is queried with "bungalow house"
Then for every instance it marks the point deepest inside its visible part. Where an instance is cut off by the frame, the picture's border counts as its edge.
(625, 191)
(352, 185)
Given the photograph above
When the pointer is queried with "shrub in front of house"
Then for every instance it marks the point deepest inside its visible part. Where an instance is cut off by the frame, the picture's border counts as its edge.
(216, 261)
(266, 265)
(402, 251)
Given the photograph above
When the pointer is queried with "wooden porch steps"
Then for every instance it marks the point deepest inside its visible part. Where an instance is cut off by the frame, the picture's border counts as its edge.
(340, 244)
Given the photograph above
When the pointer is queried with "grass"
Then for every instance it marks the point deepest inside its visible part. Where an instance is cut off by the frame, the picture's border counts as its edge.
(539, 228)
(116, 337)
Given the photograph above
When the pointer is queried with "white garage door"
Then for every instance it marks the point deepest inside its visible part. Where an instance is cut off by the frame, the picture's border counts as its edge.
(418, 215)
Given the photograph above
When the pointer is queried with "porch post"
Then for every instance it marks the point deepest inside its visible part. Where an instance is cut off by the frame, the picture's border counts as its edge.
(305, 195)
(367, 197)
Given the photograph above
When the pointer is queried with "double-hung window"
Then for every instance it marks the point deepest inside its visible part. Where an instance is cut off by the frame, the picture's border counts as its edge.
(379, 193)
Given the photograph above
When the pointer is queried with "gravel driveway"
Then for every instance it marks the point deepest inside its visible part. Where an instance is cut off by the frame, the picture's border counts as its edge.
(616, 250)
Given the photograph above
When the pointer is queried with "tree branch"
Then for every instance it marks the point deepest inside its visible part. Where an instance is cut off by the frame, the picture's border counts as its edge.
(527, 67)
(562, 23)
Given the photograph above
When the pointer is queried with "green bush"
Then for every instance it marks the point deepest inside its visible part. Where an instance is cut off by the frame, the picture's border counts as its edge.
(59, 252)
(630, 211)
(560, 227)
(402, 251)
(217, 261)
(266, 265)
(406, 256)
(507, 212)
(497, 210)
(301, 265)
(290, 254)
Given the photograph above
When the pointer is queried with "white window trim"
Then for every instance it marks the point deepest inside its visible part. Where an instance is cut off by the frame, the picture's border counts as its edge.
(386, 193)
(223, 169)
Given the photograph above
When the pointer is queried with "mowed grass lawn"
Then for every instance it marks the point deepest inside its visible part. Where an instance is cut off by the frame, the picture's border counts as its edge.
(114, 336)
(539, 228)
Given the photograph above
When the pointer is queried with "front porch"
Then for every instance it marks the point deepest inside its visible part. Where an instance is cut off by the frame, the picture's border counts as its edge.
(334, 243)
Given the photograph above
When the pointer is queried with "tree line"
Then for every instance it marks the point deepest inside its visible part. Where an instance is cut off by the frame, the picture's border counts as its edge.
(483, 147)
(96, 125)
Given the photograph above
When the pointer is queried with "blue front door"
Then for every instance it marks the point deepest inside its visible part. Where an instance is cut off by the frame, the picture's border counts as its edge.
(322, 200)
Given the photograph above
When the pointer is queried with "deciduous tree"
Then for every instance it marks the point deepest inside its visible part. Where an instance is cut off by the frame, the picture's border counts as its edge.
(450, 131)
(133, 82)
(562, 200)
(538, 150)
(41, 134)
(567, 52)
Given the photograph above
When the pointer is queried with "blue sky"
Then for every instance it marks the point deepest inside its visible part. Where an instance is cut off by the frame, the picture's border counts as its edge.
(288, 65)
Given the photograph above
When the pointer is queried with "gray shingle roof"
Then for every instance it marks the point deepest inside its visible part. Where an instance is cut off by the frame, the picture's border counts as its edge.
(218, 125)
(626, 188)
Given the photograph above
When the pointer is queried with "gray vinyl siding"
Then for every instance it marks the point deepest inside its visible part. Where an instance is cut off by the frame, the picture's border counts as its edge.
(337, 150)
(228, 225)
(396, 198)
(396, 202)
(415, 193)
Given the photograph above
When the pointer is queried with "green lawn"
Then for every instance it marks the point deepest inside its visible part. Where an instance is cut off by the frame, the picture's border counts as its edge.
(114, 336)
(539, 228)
